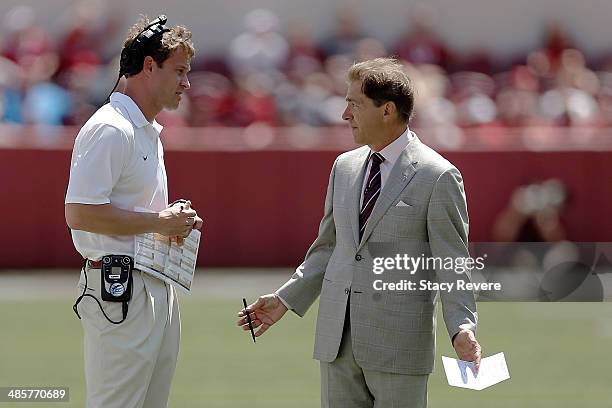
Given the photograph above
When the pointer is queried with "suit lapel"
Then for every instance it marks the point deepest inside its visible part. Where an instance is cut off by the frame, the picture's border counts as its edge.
(358, 174)
(403, 171)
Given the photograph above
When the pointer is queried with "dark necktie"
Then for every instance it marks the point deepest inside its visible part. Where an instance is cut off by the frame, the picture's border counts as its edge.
(371, 192)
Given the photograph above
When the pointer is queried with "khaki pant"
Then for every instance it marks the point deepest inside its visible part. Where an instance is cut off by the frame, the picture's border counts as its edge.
(130, 365)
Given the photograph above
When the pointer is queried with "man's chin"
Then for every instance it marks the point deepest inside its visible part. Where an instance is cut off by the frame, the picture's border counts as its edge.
(357, 138)
(172, 106)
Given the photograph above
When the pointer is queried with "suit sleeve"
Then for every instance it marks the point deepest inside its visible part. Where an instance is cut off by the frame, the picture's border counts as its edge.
(300, 292)
(447, 227)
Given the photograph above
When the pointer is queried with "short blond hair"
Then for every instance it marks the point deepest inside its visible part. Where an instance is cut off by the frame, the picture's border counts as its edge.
(385, 80)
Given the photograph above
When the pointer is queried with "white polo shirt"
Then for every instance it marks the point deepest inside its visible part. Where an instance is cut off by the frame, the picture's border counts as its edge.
(117, 159)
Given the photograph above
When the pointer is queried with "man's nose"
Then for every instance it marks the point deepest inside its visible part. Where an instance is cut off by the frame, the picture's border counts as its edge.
(347, 115)
(185, 83)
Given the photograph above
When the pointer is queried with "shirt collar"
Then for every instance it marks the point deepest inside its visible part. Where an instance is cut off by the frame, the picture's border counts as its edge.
(135, 114)
(393, 150)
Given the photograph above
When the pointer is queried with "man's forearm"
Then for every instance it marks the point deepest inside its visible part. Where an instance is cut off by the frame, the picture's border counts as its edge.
(109, 220)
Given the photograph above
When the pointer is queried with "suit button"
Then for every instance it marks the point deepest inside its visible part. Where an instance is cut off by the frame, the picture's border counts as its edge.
(347, 291)
(358, 257)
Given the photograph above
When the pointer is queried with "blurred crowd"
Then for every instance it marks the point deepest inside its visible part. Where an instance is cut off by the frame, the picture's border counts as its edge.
(287, 77)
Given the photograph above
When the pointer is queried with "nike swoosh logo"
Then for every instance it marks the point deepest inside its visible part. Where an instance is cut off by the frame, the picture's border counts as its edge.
(144, 157)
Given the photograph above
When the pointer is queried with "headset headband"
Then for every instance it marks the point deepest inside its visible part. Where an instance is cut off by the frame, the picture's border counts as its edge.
(132, 56)
(157, 27)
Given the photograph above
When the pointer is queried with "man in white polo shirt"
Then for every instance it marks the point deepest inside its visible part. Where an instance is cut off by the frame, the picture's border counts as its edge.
(118, 189)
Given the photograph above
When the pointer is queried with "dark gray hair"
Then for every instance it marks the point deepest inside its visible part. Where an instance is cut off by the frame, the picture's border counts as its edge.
(385, 80)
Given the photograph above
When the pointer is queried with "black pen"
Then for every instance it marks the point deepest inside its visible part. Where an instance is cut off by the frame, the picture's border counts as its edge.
(249, 319)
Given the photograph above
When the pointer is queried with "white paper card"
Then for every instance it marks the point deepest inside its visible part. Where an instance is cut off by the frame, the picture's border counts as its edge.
(174, 264)
(460, 373)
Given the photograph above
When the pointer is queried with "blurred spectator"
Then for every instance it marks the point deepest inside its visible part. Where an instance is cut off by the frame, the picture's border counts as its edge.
(212, 100)
(46, 103)
(261, 48)
(571, 101)
(369, 48)
(347, 34)
(533, 214)
(420, 44)
(86, 23)
(434, 110)
(471, 93)
(33, 97)
(304, 56)
(11, 91)
(256, 100)
(78, 80)
(268, 77)
(517, 98)
(556, 40)
(24, 40)
(316, 103)
(604, 98)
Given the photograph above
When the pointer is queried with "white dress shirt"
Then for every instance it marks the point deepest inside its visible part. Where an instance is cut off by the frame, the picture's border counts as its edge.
(391, 153)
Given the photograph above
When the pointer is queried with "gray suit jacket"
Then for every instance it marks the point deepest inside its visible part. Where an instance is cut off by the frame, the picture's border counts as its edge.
(391, 331)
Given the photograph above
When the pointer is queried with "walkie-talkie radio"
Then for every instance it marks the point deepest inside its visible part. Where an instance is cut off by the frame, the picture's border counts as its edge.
(116, 285)
(116, 278)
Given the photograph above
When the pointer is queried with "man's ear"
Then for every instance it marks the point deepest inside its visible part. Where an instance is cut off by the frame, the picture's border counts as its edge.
(390, 109)
(148, 64)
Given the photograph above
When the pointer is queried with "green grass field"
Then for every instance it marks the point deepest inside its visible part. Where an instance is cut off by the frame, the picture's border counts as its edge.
(559, 355)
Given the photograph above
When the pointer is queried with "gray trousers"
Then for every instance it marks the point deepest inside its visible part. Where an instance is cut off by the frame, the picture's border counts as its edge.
(345, 384)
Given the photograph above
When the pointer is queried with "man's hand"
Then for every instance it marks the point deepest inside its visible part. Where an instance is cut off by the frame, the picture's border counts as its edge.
(197, 224)
(467, 347)
(176, 221)
(187, 205)
(264, 313)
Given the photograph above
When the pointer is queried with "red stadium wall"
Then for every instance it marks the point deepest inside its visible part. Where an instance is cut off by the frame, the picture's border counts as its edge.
(263, 208)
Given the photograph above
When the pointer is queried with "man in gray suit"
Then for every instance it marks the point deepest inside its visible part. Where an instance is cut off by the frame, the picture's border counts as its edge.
(376, 344)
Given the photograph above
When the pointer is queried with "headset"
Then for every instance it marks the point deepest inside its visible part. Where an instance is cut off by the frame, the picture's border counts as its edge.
(132, 56)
